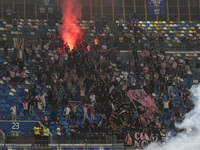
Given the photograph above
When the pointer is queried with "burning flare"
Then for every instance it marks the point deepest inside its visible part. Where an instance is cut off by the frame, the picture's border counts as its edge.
(70, 31)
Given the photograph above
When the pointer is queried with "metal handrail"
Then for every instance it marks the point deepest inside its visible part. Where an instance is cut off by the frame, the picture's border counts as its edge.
(85, 146)
(4, 136)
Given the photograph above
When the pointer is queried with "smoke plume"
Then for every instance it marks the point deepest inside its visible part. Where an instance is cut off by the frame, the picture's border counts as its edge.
(185, 140)
(70, 31)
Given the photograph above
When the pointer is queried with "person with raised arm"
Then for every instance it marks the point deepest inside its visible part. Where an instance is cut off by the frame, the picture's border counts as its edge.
(166, 106)
(74, 111)
(81, 81)
(25, 106)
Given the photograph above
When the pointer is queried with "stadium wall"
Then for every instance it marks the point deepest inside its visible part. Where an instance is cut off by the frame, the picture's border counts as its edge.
(18, 131)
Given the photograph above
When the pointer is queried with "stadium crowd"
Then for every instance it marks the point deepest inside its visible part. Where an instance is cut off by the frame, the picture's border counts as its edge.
(89, 76)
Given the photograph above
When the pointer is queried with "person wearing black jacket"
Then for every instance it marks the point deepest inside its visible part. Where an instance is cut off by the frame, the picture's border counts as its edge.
(21, 65)
(183, 40)
(187, 63)
(6, 49)
(65, 100)
(32, 104)
(53, 116)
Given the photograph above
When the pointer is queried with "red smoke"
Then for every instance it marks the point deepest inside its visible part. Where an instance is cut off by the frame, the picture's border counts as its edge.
(70, 31)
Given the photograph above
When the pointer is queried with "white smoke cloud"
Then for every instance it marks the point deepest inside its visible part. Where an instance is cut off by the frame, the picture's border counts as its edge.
(185, 141)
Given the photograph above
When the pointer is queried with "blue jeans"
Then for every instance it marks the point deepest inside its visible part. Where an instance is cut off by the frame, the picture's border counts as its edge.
(31, 110)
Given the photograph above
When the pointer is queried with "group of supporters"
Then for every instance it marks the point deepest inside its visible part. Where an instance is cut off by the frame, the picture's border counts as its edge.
(41, 135)
(92, 78)
(92, 75)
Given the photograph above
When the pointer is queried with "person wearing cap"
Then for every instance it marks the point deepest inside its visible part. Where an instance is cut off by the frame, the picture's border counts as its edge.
(46, 136)
(37, 134)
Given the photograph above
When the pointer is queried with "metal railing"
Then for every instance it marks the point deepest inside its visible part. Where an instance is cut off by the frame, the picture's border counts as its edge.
(74, 138)
(2, 136)
(68, 146)
(139, 140)
(82, 145)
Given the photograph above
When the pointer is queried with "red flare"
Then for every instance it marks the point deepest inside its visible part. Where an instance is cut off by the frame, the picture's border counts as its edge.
(70, 31)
